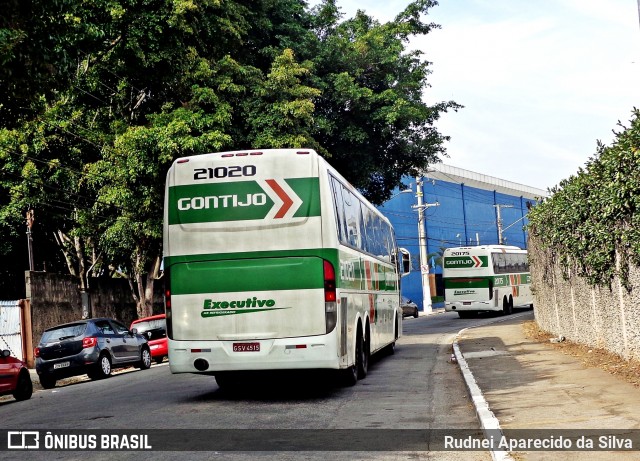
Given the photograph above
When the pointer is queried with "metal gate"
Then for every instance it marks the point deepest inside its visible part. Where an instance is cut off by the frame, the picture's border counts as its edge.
(11, 327)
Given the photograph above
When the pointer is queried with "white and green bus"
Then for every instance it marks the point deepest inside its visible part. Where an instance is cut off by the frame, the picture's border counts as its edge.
(273, 261)
(486, 278)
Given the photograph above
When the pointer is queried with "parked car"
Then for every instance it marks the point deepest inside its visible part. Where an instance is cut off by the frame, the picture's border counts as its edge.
(14, 377)
(409, 308)
(154, 328)
(92, 346)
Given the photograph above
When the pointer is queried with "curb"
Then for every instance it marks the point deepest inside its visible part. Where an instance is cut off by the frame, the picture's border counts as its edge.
(488, 421)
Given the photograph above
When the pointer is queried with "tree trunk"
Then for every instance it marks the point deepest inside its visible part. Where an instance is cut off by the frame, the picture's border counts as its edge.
(145, 284)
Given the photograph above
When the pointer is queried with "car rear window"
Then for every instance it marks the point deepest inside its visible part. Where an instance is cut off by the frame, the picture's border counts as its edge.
(64, 332)
(157, 324)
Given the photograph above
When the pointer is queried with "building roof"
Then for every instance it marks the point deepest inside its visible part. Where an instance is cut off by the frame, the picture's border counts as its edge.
(482, 181)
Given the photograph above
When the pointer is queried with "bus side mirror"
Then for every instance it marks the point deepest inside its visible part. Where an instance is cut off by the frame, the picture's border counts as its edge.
(405, 261)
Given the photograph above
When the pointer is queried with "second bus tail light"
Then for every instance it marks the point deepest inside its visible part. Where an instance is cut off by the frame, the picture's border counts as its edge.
(330, 296)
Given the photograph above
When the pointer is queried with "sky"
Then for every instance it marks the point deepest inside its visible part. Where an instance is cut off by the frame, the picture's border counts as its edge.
(541, 80)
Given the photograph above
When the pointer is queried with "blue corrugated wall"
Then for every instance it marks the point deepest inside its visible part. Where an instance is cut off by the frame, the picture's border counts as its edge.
(465, 216)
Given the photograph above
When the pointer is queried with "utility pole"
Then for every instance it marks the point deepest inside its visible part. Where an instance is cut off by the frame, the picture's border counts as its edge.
(30, 221)
(498, 207)
(427, 305)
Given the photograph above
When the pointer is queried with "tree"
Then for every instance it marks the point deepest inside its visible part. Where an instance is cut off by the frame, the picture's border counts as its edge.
(371, 118)
(282, 114)
(117, 90)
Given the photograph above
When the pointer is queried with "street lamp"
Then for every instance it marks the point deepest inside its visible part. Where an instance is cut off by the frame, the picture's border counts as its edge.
(406, 191)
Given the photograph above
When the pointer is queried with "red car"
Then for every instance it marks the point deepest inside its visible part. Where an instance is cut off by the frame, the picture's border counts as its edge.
(14, 377)
(154, 328)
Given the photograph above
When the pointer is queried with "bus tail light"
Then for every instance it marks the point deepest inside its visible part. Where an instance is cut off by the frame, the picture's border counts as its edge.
(167, 302)
(330, 296)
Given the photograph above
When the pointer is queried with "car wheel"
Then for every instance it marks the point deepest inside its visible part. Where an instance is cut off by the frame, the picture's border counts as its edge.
(102, 368)
(24, 387)
(47, 382)
(145, 359)
(415, 313)
(159, 360)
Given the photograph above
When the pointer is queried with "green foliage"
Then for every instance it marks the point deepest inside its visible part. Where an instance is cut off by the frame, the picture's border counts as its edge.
(103, 96)
(371, 117)
(595, 214)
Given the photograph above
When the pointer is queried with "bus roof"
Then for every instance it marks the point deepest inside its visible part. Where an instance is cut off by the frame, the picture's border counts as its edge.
(484, 248)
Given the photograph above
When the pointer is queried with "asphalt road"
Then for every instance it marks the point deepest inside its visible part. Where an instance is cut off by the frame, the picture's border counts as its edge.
(414, 390)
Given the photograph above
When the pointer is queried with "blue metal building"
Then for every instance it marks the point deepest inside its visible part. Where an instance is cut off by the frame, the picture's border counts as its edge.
(467, 214)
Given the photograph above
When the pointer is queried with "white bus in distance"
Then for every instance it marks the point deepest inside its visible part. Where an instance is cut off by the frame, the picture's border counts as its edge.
(273, 261)
(486, 278)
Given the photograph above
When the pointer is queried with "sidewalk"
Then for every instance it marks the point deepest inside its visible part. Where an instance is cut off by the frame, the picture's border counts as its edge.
(531, 386)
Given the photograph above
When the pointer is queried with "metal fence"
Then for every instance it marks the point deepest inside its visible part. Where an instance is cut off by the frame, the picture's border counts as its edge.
(10, 327)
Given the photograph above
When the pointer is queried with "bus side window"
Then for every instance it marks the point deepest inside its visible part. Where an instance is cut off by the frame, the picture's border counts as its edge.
(352, 217)
(499, 263)
(336, 187)
(513, 265)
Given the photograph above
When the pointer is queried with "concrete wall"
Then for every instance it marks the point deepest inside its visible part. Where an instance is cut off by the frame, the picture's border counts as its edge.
(56, 299)
(565, 304)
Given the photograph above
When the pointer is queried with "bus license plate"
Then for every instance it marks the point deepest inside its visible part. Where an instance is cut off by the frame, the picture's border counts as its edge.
(60, 365)
(246, 347)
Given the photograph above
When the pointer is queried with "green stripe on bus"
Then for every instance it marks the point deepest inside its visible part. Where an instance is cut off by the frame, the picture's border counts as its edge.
(247, 275)
(352, 274)
(482, 282)
(330, 254)
(459, 283)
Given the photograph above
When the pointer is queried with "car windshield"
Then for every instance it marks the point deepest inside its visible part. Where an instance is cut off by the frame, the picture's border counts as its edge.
(63, 332)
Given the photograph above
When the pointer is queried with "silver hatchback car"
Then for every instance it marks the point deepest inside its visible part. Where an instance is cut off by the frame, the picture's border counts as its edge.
(92, 346)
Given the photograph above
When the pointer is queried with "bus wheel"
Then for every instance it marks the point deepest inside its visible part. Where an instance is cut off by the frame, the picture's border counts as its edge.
(505, 306)
(362, 356)
(391, 348)
(349, 376)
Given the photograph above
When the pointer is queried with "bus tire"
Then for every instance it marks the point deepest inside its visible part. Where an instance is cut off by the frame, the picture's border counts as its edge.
(349, 376)
(362, 354)
(505, 306)
(391, 348)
